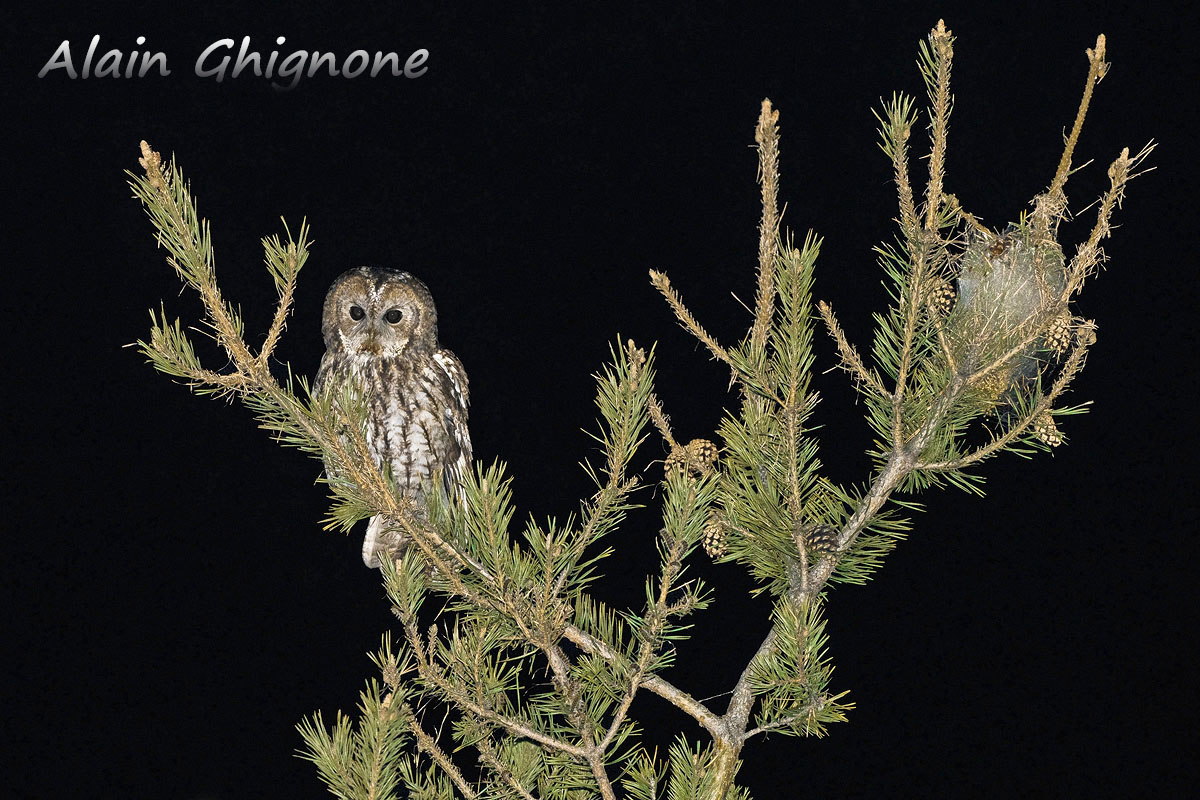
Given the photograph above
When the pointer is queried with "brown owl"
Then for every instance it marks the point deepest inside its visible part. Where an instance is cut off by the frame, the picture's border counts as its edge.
(380, 329)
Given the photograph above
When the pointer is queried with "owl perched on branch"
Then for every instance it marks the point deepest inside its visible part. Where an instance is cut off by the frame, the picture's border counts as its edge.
(380, 329)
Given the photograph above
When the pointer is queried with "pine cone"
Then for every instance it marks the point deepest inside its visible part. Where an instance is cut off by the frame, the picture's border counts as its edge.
(702, 456)
(821, 539)
(1060, 335)
(697, 458)
(941, 298)
(676, 461)
(1045, 429)
(714, 537)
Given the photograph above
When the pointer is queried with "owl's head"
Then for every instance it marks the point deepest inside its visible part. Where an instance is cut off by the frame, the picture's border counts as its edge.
(379, 312)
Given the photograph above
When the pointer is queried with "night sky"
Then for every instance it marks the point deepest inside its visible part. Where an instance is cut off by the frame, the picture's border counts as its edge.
(174, 606)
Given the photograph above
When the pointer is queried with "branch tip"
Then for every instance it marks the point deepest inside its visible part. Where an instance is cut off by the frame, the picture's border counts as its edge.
(151, 162)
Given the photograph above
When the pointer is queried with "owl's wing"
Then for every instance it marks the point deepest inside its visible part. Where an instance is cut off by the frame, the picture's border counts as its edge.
(318, 384)
(454, 380)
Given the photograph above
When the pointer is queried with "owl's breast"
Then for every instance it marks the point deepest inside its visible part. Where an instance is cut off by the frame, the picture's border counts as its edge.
(407, 429)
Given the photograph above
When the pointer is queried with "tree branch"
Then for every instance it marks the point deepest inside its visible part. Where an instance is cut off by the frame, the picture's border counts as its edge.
(767, 137)
(428, 745)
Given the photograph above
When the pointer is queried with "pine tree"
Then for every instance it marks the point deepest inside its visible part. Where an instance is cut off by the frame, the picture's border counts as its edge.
(972, 358)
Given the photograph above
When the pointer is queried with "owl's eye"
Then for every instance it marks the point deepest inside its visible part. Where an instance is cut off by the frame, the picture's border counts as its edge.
(394, 316)
(356, 313)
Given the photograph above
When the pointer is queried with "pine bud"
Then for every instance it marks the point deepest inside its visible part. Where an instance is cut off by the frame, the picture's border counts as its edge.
(391, 675)
(387, 712)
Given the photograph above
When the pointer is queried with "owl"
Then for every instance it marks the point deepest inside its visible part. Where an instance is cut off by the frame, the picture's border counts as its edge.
(380, 330)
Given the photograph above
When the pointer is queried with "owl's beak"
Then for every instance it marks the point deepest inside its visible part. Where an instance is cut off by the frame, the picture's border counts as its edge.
(371, 343)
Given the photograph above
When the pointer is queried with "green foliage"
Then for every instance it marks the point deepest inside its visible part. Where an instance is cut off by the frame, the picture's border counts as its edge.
(363, 759)
(770, 488)
(879, 536)
(792, 679)
(515, 681)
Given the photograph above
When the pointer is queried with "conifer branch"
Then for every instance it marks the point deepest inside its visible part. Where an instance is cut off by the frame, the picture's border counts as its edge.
(656, 684)
(661, 421)
(1097, 69)
(432, 675)
(954, 361)
(899, 465)
(190, 249)
(663, 284)
(650, 643)
(487, 755)
(935, 67)
(284, 263)
(851, 361)
(1070, 369)
(766, 135)
(568, 688)
(804, 713)
(895, 131)
(1089, 255)
(429, 746)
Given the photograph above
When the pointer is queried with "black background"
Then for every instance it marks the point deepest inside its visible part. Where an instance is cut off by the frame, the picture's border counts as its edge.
(177, 607)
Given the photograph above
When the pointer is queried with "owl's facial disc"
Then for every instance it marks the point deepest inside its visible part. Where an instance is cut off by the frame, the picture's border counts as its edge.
(381, 326)
(381, 313)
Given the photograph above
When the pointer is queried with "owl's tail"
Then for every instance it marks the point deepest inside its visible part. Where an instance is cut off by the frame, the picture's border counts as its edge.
(373, 543)
(384, 539)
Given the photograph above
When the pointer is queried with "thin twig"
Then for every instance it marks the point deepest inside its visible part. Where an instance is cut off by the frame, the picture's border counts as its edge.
(663, 688)
(663, 284)
(488, 756)
(767, 137)
(942, 44)
(1089, 255)
(661, 421)
(806, 711)
(851, 361)
(428, 745)
(284, 307)
(1097, 68)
